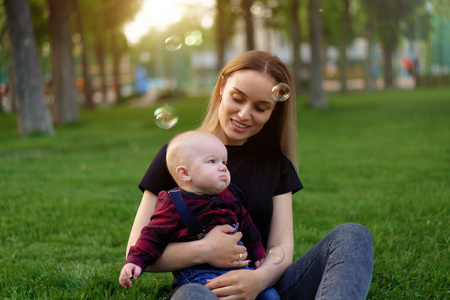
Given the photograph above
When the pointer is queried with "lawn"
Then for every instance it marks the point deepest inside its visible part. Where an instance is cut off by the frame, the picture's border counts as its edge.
(67, 202)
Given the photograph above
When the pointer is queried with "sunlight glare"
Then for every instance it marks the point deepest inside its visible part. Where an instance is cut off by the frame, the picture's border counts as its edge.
(159, 15)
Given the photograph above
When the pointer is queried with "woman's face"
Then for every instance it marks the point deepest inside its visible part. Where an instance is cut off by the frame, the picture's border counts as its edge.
(245, 107)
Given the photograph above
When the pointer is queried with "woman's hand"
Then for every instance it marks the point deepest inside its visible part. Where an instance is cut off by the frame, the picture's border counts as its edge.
(221, 249)
(238, 284)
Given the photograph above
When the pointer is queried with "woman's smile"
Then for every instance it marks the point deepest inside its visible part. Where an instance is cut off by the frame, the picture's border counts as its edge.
(240, 125)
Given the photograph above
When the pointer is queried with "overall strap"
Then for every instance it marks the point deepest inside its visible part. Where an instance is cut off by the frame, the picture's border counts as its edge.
(239, 194)
(188, 218)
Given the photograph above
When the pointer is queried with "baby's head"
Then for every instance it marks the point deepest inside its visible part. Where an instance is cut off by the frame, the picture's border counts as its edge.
(197, 162)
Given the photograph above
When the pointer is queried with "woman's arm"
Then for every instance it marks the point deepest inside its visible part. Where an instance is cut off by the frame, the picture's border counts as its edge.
(143, 214)
(281, 234)
(249, 284)
(218, 248)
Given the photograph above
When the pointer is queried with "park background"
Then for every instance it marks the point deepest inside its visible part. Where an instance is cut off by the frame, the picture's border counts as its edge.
(81, 80)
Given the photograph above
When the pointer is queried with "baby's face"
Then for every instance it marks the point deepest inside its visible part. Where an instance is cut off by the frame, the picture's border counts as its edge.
(208, 170)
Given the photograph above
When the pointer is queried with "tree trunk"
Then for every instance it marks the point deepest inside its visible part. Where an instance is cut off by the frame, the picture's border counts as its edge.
(100, 55)
(343, 45)
(64, 91)
(368, 62)
(388, 70)
(116, 65)
(12, 88)
(318, 99)
(1, 105)
(34, 115)
(295, 29)
(220, 27)
(87, 86)
(246, 8)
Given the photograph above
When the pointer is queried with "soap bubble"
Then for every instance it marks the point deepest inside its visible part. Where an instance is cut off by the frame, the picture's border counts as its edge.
(280, 92)
(274, 255)
(173, 43)
(166, 117)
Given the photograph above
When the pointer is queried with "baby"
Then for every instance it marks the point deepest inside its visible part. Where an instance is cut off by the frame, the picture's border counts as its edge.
(197, 162)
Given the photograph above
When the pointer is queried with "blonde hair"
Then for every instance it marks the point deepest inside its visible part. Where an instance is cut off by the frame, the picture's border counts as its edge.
(282, 125)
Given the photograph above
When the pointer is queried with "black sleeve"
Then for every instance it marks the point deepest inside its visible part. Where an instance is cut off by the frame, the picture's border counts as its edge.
(157, 178)
(289, 181)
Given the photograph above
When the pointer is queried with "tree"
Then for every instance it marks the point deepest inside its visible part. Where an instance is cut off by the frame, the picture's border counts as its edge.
(345, 27)
(368, 74)
(441, 8)
(34, 115)
(220, 30)
(118, 44)
(289, 18)
(115, 15)
(99, 49)
(317, 98)
(101, 22)
(225, 27)
(39, 21)
(343, 20)
(248, 18)
(65, 94)
(87, 85)
(295, 30)
(387, 27)
(4, 57)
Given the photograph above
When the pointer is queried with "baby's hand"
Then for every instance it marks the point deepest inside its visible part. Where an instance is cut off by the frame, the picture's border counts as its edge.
(259, 263)
(129, 271)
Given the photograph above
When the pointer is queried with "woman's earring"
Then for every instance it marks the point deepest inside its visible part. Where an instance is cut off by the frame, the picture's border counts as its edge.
(220, 98)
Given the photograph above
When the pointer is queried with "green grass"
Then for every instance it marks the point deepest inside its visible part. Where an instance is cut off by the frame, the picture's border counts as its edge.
(67, 202)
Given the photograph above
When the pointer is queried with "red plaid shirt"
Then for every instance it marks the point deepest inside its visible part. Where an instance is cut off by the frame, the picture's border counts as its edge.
(166, 225)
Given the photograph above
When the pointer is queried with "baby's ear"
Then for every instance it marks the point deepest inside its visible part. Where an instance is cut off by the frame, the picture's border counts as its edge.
(183, 173)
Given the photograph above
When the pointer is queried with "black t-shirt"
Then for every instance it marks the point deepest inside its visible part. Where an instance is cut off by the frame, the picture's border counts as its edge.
(259, 173)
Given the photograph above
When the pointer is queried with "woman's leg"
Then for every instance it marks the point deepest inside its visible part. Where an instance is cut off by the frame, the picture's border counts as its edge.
(268, 294)
(340, 266)
(193, 291)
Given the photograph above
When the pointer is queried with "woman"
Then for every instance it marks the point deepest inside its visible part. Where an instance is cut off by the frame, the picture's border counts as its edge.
(260, 135)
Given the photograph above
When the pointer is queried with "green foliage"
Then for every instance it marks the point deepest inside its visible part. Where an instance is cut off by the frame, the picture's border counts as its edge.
(116, 12)
(441, 7)
(280, 18)
(102, 18)
(417, 26)
(386, 16)
(333, 12)
(67, 203)
(229, 14)
(332, 19)
(39, 16)
(3, 26)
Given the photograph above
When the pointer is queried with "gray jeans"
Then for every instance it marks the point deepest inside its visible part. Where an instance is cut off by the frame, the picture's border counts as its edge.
(340, 266)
